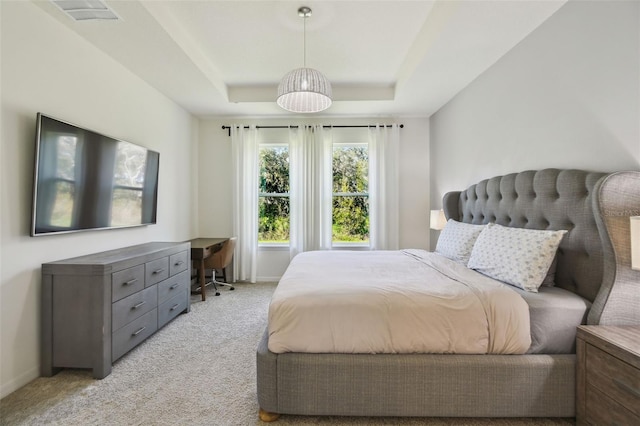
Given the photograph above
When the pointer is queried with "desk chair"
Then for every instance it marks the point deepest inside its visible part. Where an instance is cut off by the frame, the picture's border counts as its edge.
(221, 260)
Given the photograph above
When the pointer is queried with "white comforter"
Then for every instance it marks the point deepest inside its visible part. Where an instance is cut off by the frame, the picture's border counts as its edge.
(409, 301)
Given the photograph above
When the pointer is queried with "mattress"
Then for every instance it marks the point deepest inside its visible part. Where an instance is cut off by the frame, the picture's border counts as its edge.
(408, 301)
(554, 314)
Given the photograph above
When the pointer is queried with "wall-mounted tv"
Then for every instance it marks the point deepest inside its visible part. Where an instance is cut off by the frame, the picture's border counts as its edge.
(84, 180)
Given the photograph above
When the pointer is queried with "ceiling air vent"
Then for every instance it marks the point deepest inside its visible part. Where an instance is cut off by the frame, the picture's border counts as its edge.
(85, 10)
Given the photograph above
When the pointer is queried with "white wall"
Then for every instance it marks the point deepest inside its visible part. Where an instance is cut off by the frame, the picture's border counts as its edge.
(215, 166)
(566, 97)
(48, 68)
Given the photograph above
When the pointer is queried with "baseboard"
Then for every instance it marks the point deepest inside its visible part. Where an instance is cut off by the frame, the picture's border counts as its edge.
(15, 384)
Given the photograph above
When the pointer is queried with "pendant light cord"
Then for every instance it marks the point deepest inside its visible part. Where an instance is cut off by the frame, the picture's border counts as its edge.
(304, 42)
(304, 12)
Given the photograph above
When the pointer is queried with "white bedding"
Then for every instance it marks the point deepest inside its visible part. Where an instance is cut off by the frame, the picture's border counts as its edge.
(409, 301)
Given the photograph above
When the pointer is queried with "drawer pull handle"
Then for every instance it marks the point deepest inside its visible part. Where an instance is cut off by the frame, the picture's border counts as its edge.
(130, 281)
(136, 306)
(173, 308)
(173, 287)
(178, 263)
(158, 271)
(135, 333)
(622, 385)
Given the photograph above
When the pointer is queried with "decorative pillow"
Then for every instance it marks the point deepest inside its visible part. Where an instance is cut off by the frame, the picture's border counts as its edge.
(550, 279)
(516, 256)
(456, 240)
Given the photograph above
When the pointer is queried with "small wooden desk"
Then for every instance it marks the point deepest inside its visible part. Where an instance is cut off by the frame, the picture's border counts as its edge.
(201, 248)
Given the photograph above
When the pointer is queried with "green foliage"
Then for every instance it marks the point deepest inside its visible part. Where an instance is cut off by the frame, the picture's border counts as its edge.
(350, 176)
(274, 170)
(350, 169)
(273, 227)
(350, 220)
(274, 211)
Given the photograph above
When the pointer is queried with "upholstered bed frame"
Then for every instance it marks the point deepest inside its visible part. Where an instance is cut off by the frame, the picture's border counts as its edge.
(593, 261)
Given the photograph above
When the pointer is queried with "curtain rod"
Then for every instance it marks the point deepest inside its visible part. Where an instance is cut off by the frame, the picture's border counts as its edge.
(228, 128)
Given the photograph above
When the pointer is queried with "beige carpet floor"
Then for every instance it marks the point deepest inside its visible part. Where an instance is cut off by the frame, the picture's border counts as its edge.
(198, 370)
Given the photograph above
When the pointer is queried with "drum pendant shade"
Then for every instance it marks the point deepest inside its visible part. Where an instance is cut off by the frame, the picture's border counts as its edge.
(304, 90)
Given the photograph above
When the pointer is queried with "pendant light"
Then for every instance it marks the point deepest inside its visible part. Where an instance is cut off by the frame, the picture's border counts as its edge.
(304, 89)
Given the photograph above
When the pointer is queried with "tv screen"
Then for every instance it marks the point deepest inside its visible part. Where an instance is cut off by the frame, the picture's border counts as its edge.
(84, 180)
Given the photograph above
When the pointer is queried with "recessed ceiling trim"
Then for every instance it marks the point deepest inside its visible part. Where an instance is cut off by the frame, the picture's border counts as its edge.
(161, 12)
(341, 92)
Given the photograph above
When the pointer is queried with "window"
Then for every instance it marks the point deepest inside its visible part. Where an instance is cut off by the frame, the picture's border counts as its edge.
(350, 193)
(350, 221)
(273, 194)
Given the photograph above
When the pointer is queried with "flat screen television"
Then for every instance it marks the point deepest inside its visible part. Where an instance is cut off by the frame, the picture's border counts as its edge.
(85, 181)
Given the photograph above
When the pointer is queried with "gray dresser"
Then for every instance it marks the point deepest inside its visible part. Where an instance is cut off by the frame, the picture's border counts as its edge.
(96, 308)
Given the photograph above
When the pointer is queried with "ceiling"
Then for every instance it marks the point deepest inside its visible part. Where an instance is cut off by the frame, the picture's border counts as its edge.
(383, 58)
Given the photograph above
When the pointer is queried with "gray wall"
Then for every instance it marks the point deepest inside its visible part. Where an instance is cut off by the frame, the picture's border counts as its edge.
(567, 96)
(48, 68)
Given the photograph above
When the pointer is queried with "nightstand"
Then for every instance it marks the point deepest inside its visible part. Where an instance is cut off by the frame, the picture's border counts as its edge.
(608, 375)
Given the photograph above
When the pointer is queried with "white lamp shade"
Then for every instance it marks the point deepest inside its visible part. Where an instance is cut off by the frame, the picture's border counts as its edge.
(437, 220)
(635, 242)
(304, 90)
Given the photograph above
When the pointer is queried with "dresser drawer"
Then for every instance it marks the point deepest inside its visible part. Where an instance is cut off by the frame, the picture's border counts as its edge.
(171, 308)
(178, 262)
(133, 333)
(172, 286)
(131, 307)
(126, 282)
(614, 378)
(156, 271)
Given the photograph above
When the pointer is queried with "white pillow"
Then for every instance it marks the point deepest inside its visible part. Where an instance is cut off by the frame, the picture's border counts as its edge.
(456, 240)
(516, 256)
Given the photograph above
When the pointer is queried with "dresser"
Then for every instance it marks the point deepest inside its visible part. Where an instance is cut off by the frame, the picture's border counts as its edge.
(608, 375)
(98, 307)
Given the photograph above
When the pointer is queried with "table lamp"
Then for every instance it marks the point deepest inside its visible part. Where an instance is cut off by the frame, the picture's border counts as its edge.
(437, 219)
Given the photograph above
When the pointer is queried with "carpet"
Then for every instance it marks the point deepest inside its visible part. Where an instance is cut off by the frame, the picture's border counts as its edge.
(200, 369)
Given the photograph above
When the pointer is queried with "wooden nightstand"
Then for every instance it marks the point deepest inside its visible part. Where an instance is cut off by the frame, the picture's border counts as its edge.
(608, 375)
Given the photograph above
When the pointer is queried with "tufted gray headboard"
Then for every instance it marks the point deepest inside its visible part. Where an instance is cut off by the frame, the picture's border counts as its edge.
(544, 199)
(594, 257)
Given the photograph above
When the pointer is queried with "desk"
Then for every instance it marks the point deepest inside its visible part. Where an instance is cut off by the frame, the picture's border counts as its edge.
(201, 248)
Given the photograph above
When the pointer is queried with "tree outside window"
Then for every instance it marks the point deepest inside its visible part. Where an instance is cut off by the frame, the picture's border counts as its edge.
(350, 211)
(273, 195)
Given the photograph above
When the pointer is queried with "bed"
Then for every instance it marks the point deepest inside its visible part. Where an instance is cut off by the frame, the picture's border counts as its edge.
(592, 265)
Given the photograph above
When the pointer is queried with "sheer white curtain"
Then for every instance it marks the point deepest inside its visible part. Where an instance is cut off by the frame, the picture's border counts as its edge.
(310, 194)
(244, 143)
(384, 145)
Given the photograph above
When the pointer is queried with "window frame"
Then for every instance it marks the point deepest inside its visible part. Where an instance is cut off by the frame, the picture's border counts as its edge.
(350, 244)
(346, 138)
(273, 245)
